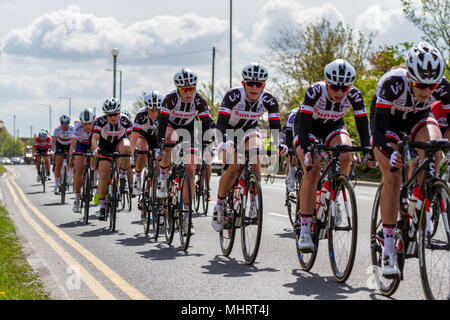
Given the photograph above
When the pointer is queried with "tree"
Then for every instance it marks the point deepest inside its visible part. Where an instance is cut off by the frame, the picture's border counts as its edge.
(433, 18)
(388, 57)
(301, 55)
(138, 104)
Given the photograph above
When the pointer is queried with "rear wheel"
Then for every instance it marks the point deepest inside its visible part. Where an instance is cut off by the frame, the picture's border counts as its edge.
(154, 207)
(251, 218)
(197, 189)
(86, 195)
(114, 204)
(184, 210)
(205, 190)
(63, 187)
(229, 230)
(168, 211)
(434, 244)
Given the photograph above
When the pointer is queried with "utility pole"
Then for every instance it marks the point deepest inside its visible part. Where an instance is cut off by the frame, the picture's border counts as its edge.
(14, 116)
(114, 53)
(231, 42)
(213, 67)
(70, 104)
(31, 132)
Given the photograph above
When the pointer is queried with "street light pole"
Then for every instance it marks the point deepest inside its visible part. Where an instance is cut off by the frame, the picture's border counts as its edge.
(49, 116)
(70, 104)
(120, 72)
(114, 53)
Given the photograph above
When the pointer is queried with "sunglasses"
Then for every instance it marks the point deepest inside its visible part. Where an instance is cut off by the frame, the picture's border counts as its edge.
(254, 83)
(423, 86)
(64, 122)
(187, 89)
(336, 88)
(110, 115)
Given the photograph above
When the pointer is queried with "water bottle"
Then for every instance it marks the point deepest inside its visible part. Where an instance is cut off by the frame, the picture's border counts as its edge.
(415, 202)
(324, 195)
(238, 192)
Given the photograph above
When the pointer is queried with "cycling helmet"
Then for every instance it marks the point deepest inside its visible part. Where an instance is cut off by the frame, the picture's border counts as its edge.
(425, 64)
(255, 72)
(153, 100)
(185, 78)
(87, 116)
(127, 113)
(111, 105)
(43, 134)
(339, 73)
(64, 118)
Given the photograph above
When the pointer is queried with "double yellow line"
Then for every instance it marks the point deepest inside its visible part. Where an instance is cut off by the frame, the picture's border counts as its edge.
(95, 286)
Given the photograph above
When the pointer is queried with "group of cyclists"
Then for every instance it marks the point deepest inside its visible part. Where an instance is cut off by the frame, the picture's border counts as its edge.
(411, 99)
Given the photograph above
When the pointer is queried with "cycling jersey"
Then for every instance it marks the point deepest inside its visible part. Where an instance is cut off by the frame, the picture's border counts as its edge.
(63, 137)
(439, 114)
(318, 112)
(290, 127)
(179, 114)
(397, 106)
(145, 126)
(237, 113)
(42, 145)
(111, 134)
(81, 135)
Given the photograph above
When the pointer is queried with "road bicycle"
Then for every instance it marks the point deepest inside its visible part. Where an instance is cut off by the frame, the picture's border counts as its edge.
(113, 196)
(126, 192)
(87, 187)
(291, 195)
(43, 172)
(202, 189)
(148, 203)
(63, 184)
(335, 216)
(243, 209)
(176, 211)
(422, 231)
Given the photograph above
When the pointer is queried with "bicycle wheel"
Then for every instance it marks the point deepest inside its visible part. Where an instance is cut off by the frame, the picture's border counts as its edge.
(114, 204)
(251, 213)
(154, 207)
(130, 192)
(386, 286)
(144, 204)
(198, 189)
(168, 211)
(205, 190)
(184, 210)
(228, 233)
(342, 229)
(434, 245)
(306, 259)
(86, 192)
(123, 194)
(63, 185)
(43, 176)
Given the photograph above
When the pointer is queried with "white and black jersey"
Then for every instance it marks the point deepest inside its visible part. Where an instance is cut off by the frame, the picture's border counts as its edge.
(81, 135)
(143, 124)
(236, 112)
(63, 137)
(110, 133)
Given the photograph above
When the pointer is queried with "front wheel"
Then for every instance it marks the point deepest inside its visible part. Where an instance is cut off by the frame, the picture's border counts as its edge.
(205, 190)
(86, 195)
(434, 244)
(63, 186)
(226, 236)
(342, 229)
(184, 210)
(251, 218)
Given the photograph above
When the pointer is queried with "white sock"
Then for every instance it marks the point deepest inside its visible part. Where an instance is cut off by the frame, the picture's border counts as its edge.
(306, 224)
(389, 243)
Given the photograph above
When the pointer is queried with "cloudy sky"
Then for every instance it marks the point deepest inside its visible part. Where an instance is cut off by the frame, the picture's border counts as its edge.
(50, 49)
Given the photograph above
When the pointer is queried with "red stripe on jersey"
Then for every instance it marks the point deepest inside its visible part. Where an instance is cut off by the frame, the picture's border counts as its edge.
(163, 112)
(360, 115)
(274, 118)
(384, 106)
(225, 113)
(306, 111)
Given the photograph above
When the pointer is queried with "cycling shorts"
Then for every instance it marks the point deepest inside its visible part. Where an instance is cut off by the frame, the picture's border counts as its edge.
(325, 132)
(61, 149)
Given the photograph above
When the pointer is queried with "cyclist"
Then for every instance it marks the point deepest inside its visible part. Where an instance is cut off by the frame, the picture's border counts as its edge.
(61, 140)
(440, 114)
(110, 135)
(178, 111)
(321, 116)
(81, 143)
(241, 109)
(290, 180)
(144, 133)
(403, 100)
(42, 147)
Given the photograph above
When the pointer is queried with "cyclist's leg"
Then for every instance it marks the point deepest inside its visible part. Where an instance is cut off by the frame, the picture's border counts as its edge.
(165, 162)
(192, 160)
(142, 145)
(37, 157)
(341, 136)
(123, 146)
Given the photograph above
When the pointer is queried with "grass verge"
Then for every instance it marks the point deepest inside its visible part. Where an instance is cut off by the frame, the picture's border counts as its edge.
(2, 169)
(18, 281)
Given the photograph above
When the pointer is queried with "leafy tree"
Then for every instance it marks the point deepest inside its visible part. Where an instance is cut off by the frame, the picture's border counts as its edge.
(432, 17)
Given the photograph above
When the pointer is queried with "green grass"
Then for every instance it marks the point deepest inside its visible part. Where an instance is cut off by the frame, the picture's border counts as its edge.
(2, 169)
(17, 280)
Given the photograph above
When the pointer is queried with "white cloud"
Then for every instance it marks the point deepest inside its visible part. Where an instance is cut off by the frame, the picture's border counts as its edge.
(377, 19)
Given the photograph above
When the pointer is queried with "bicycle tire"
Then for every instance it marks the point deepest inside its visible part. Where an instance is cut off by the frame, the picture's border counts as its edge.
(43, 176)
(168, 211)
(435, 243)
(227, 235)
(130, 192)
(250, 244)
(205, 190)
(387, 287)
(197, 189)
(306, 259)
(154, 208)
(144, 201)
(185, 217)
(114, 204)
(86, 195)
(342, 271)
(63, 185)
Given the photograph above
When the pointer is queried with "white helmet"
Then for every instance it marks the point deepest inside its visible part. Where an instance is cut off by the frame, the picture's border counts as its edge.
(111, 105)
(255, 72)
(87, 116)
(185, 78)
(425, 64)
(127, 113)
(340, 73)
(153, 100)
(64, 118)
(43, 134)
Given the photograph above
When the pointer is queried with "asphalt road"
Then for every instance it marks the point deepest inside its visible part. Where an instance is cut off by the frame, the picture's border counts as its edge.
(78, 261)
